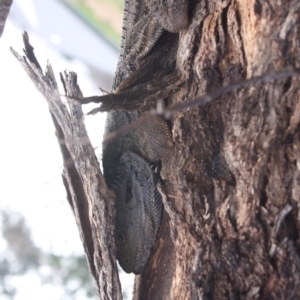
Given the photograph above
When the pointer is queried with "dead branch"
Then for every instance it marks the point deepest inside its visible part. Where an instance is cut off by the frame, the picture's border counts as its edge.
(91, 201)
(169, 112)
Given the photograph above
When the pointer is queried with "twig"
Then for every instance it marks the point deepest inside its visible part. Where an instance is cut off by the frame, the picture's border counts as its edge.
(103, 90)
(201, 101)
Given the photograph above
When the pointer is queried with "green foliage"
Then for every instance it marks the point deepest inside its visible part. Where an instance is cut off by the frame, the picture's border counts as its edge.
(104, 26)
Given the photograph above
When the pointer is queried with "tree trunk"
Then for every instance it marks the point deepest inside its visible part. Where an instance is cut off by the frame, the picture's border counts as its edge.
(231, 220)
(233, 207)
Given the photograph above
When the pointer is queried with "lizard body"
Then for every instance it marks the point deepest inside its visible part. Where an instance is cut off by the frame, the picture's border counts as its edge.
(146, 72)
(138, 207)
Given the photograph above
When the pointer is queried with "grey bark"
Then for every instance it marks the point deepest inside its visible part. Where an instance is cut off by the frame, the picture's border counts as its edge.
(90, 199)
(231, 222)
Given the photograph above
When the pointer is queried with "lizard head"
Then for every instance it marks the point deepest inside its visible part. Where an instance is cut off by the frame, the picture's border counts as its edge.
(138, 207)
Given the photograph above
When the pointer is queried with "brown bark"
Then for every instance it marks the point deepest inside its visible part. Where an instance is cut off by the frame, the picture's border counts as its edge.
(231, 221)
(234, 204)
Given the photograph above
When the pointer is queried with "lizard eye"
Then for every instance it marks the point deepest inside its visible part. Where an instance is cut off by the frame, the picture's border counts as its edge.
(120, 238)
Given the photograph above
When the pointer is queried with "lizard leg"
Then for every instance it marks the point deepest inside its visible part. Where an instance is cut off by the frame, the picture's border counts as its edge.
(154, 141)
(148, 34)
(171, 14)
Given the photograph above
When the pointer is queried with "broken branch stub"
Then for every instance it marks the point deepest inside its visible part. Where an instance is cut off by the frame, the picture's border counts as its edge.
(88, 195)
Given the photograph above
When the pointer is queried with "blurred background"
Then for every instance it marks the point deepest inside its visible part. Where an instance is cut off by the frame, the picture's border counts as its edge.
(41, 256)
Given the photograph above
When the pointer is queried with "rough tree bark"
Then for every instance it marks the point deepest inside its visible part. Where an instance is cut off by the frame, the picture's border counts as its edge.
(231, 222)
(87, 193)
(233, 209)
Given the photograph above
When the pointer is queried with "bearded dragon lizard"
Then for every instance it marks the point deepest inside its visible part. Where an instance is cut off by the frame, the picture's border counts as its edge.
(146, 72)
